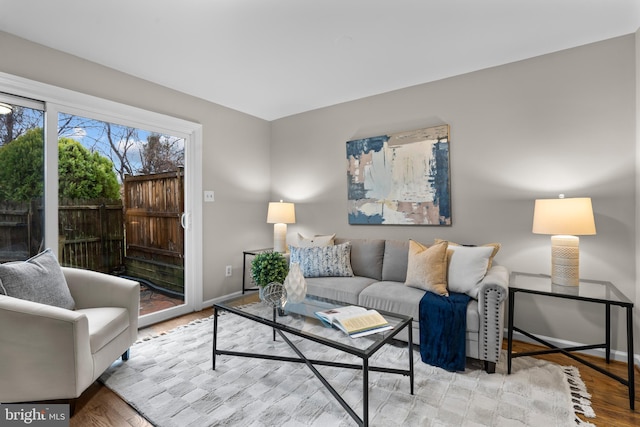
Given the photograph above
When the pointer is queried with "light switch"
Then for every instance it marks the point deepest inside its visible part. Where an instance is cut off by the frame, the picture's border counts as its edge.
(208, 196)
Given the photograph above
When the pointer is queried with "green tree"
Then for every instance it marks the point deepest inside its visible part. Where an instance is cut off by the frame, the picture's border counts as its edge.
(82, 174)
(21, 171)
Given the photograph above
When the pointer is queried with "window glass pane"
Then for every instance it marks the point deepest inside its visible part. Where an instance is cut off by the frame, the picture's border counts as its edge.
(21, 182)
(121, 198)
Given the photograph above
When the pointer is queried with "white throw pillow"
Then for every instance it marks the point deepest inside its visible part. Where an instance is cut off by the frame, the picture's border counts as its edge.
(467, 267)
(315, 241)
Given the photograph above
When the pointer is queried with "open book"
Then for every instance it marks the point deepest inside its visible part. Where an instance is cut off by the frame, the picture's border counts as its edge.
(354, 321)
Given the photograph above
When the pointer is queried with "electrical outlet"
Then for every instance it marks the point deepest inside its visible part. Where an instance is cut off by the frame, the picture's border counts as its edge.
(208, 196)
(228, 270)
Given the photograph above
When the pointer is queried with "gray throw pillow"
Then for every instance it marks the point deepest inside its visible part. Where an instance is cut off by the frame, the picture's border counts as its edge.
(38, 279)
(323, 261)
(366, 256)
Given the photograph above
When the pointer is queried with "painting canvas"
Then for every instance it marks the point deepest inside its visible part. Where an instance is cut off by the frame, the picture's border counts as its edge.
(400, 179)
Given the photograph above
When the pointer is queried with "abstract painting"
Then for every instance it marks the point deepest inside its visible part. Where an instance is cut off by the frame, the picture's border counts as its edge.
(400, 179)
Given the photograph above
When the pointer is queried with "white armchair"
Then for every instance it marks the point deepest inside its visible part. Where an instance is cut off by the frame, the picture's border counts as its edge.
(51, 353)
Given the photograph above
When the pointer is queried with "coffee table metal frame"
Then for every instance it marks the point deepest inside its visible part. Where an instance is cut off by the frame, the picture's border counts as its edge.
(365, 354)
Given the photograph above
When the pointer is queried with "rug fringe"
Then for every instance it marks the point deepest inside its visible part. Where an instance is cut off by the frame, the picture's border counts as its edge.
(191, 323)
(579, 395)
(160, 334)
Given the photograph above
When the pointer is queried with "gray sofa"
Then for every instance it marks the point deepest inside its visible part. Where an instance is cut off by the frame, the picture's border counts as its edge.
(380, 268)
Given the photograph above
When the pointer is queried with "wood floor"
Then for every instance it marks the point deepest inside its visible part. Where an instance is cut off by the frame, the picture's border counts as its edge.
(98, 406)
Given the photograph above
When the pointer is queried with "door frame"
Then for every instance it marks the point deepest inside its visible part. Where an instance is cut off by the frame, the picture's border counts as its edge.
(59, 100)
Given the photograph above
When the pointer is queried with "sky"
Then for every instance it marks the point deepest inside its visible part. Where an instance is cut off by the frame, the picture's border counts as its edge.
(123, 147)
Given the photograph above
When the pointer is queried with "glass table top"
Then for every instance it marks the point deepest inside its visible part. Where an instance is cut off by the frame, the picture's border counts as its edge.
(300, 319)
(587, 290)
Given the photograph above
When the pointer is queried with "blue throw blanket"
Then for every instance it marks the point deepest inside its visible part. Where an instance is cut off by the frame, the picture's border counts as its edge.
(443, 324)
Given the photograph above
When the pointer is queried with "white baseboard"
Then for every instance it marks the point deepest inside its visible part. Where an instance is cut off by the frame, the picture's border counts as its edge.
(617, 355)
(209, 303)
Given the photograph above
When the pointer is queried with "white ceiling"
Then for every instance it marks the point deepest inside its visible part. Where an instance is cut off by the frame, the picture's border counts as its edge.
(275, 58)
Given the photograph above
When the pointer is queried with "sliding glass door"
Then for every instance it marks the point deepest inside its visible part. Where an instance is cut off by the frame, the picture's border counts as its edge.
(121, 201)
(108, 187)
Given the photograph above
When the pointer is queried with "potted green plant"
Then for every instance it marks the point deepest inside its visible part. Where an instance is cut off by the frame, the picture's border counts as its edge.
(269, 267)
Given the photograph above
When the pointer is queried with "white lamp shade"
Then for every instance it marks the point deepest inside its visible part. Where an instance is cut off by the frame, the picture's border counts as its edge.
(281, 213)
(573, 216)
(5, 108)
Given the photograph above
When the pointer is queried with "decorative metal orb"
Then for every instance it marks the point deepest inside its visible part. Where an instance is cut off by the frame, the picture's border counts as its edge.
(275, 294)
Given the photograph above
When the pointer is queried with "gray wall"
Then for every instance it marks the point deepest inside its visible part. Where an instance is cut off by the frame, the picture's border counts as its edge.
(559, 123)
(563, 122)
(637, 235)
(235, 159)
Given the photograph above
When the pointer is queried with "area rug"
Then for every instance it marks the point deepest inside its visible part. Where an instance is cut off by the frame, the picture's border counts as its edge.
(170, 381)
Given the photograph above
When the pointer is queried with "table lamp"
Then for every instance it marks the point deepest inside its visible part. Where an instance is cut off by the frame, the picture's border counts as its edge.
(564, 219)
(280, 214)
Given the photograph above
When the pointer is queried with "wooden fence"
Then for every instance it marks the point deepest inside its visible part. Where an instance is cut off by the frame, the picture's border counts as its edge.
(20, 229)
(155, 239)
(91, 233)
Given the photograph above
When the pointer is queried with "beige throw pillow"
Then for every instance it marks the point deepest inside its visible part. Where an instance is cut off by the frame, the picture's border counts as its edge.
(427, 267)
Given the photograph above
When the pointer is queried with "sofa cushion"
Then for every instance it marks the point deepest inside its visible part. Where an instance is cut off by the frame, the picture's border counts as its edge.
(406, 300)
(344, 289)
(317, 240)
(473, 317)
(467, 267)
(38, 279)
(427, 267)
(396, 257)
(366, 256)
(323, 261)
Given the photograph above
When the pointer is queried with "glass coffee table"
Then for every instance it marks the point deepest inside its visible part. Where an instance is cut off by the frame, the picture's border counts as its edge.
(300, 320)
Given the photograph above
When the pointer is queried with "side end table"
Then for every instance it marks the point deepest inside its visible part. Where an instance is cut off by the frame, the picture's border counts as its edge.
(249, 253)
(593, 291)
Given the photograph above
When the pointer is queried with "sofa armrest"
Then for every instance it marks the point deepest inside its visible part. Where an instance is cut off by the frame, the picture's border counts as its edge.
(495, 282)
(493, 292)
(44, 350)
(91, 289)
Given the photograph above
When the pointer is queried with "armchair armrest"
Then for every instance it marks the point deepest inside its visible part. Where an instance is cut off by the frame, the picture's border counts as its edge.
(92, 289)
(44, 350)
(493, 292)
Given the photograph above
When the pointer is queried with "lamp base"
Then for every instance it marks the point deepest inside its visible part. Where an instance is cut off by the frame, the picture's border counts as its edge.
(565, 260)
(280, 238)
